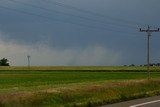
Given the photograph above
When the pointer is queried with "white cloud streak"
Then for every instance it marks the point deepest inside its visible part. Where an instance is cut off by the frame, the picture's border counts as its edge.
(42, 55)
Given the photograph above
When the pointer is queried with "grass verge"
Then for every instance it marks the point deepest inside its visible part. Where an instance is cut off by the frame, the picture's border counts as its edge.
(82, 95)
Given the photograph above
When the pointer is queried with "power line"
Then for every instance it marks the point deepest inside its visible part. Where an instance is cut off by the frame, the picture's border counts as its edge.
(57, 20)
(68, 14)
(45, 17)
(131, 23)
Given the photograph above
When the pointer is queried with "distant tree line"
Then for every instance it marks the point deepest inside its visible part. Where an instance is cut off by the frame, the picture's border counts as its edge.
(152, 64)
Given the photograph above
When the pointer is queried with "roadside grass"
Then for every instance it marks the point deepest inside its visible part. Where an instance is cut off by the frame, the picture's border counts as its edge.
(73, 89)
(92, 96)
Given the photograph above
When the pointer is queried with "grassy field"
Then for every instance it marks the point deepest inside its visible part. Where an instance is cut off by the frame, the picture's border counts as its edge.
(47, 88)
(82, 68)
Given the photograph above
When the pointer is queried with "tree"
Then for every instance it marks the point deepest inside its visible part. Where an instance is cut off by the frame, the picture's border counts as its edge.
(158, 64)
(132, 65)
(4, 62)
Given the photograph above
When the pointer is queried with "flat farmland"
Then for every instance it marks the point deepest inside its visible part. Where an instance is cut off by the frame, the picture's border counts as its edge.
(82, 68)
(65, 88)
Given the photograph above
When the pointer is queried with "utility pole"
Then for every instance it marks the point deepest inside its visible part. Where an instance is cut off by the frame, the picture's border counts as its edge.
(28, 56)
(149, 31)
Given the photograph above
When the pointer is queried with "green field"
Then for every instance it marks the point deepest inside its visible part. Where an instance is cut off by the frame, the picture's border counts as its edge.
(82, 68)
(51, 88)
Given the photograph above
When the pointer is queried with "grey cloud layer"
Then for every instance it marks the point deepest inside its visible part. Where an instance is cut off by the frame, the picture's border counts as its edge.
(70, 43)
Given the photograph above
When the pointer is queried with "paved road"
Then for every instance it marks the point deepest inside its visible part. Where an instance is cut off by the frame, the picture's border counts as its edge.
(145, 102)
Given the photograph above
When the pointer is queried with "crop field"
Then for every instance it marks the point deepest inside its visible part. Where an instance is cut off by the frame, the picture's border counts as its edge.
(82, 68)
(68, 88)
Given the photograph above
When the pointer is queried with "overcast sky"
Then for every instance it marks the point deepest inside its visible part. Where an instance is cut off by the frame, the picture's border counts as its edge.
(78, 32)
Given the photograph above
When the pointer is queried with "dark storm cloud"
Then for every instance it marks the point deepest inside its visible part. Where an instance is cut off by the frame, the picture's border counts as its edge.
(79, 24)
